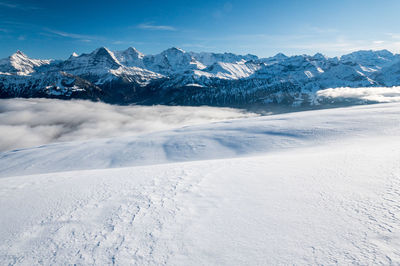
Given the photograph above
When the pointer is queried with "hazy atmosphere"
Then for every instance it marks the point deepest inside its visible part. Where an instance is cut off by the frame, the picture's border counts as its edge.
(32, 122)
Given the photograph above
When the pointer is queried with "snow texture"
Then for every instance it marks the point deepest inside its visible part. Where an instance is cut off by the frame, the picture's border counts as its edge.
(323, 189)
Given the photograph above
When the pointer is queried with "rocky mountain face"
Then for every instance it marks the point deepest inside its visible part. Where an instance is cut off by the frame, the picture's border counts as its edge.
(176, 77)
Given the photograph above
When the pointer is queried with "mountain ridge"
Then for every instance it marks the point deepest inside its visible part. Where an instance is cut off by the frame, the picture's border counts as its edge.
(177, 77)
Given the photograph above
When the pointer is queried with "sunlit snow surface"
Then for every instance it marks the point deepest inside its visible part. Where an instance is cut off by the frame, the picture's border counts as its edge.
(316, 187)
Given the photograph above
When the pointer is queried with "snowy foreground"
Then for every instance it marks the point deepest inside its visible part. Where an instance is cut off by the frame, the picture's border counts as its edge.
(316, 187)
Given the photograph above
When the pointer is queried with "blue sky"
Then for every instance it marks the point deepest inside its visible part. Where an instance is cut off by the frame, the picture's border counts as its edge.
(55, 29)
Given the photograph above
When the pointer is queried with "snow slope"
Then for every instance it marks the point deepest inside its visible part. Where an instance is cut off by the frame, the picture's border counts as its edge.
(323, 189)
(210, 141)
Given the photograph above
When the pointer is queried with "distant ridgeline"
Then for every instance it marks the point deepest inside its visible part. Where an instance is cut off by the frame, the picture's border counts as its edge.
(176, 77)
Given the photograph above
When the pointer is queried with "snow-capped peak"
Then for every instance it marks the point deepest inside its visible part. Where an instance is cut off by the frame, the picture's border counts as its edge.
(280, 56)
(133, 51)
(209, 59)
(172, 60)
(20, 64)
(224, 70)
(174, 50)
(99, 61)
(19, 56)
(174, 68)
(369, 58)
(104, 52)
(20, 53)
(319, 56)
(130, 57)
(73, 55)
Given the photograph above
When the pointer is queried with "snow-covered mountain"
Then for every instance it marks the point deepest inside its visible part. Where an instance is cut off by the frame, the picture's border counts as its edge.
(211, 58)
(187, 78)
(130, 57)
(20, 64)
(374, 60)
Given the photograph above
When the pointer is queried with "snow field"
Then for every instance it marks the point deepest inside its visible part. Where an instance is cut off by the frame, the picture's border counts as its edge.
(318, 187)
(326, 205)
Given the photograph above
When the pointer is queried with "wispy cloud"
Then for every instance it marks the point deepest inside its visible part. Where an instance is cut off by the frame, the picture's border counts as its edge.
(17, 24)
(81, 37)
(151, 26)
(18, 6)
(68, 35)
(126, 42)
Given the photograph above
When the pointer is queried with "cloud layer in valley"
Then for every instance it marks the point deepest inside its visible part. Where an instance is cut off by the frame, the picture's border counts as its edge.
(32, 122)
(367, 94)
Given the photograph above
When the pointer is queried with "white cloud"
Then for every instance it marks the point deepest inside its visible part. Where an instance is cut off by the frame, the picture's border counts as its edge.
(367, 94)
(18, 6)
(151, 26)
(31, 122)
(82, 37)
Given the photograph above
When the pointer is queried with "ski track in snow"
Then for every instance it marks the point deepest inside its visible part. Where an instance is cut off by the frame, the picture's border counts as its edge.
(332, 203)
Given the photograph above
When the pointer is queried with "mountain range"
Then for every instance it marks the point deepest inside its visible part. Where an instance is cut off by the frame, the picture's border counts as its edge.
(176, 77)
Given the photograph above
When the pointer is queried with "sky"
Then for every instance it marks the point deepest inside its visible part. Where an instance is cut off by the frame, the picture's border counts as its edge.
(57, 28)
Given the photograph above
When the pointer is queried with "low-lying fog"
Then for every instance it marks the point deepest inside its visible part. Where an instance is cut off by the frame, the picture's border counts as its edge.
(32, 122)
(368, 94)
